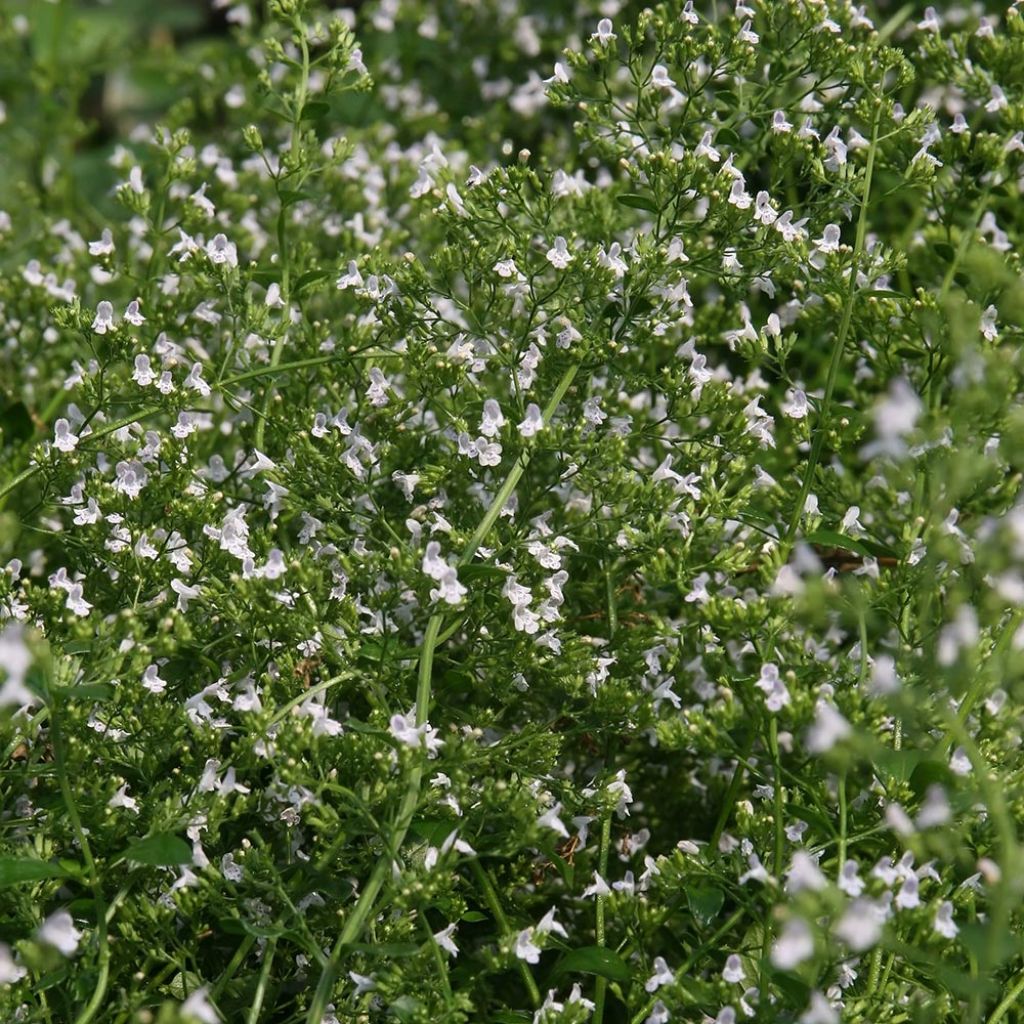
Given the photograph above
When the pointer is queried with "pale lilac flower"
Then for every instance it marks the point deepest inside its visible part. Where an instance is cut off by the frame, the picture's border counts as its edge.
(11, 971)
(199, 1008)
(828, 729)
(151, 680)
(104, 246)
(794, 945)
(59, 931)
(405, 730)
(944, 923)
(444, 939)
(733, 972)
(558, 255)
(604, 33)
(133, 314)
(533, 421)
(770, 682)
(662, 976)
(860, 927)
(222, 252)
(104, 319)
(660, 77)
(525, 948)
(63, 438)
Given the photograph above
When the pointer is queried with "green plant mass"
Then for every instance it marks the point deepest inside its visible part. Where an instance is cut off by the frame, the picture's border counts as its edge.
(510, 512)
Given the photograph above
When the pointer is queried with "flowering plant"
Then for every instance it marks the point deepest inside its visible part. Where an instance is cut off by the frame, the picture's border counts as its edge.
(511, 512)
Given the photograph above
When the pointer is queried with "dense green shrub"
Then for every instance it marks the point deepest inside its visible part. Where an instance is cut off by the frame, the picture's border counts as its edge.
(511, 512)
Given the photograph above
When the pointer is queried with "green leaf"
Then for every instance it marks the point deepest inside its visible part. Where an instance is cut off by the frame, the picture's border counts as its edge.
(704, 901)
(866, 546)
(896, 765)
(15, 870)
(481, 571)
(637, 202)
(315, 109)
(593, 960)
(309, 278)
(472, 916)
(162, 849)
(15, 420)
(290, 197)
(88, 691)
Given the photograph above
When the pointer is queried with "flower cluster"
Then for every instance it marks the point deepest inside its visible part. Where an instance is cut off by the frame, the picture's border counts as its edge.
(511, 511)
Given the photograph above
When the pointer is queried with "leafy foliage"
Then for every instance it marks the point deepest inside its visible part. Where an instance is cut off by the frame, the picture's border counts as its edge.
(491, 544)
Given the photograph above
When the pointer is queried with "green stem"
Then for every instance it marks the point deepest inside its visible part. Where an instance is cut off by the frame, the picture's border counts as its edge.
(1006, 1003)
(837, 350)
(410, 801)
(494, 905)
(284, 253)
(60, 759)
(261, 986)
(601, 986)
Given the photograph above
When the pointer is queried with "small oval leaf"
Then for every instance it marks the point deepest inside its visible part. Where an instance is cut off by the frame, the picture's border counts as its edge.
(15, 870)
(594, 960)
(163, 849)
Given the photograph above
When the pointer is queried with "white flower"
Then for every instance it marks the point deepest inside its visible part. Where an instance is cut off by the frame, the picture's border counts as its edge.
(532, 422)
(733, 971)
(133, 314)
(76, 602)
(819, 1011)
(105, 245)
(405, 730)
(525, 948)
(908, 897)
(804, 873)
(828, 729)
(604, 33)
(59, 931)
(850, 881)
(143, 375)
(122, 799)
(63, 437)
(151, 680)
(198, 1007)
(15, 659)
(661, 976)
(776, 694)
(493, 420)
(377, 392)
(860, 927)
(548, 924)
(194, 381)
(558, 255)
(221, 252)
(550, 819)
(10, 971)
(793, 946)
(444, 939)
(660, 78)
(944, 923)
(230, 869)
(104, 319)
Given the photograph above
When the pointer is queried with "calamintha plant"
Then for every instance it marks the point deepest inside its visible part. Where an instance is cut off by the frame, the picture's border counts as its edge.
(511, 512)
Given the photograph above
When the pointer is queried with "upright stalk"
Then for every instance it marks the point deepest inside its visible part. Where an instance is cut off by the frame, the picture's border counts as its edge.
(837, 350)
(410, 801)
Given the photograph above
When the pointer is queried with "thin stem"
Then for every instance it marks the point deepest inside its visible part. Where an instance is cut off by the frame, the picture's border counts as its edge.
(60, 759)
(837, 349)
(284, 254)
(1006, 1003)
(494, 905)
(261, 985)
(410, 801)
(601, 987)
